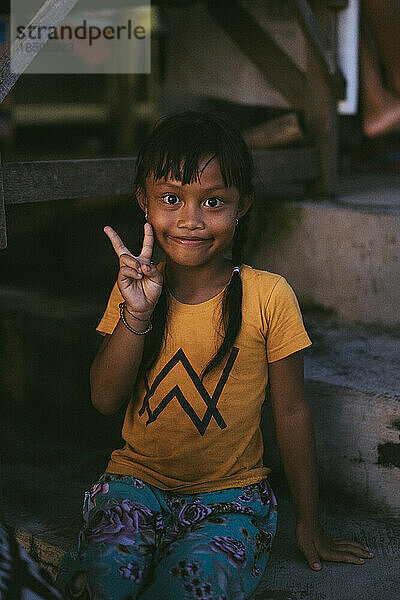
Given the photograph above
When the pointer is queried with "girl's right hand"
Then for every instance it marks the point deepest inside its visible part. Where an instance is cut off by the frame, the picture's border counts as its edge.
(139, 281)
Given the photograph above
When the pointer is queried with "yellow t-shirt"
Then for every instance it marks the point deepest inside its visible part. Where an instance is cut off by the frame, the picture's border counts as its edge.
(192, 437)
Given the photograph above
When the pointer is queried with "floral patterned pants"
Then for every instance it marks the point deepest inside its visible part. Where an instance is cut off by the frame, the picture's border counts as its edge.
(142, 542)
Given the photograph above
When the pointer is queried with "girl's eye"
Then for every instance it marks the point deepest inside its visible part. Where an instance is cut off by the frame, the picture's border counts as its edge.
(174, 197)
(167, 196)
(213, 200)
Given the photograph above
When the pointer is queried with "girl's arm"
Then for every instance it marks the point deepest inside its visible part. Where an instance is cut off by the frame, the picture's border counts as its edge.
(296, 441)
(114, 369)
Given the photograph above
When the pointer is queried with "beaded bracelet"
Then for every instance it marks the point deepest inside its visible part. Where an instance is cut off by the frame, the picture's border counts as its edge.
(121, 312)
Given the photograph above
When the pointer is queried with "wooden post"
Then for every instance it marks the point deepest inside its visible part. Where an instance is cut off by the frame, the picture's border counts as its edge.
(321, 118)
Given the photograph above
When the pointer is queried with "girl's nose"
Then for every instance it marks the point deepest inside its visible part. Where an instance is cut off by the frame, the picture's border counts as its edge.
(190, 217)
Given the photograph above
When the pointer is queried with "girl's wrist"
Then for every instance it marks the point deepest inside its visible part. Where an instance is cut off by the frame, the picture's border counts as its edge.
(135, 323)
(144, 316)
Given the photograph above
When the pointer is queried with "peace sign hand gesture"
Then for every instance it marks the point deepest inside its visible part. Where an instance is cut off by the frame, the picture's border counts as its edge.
(139, 281)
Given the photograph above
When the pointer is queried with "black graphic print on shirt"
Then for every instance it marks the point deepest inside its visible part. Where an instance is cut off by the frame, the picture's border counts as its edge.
(177, 393)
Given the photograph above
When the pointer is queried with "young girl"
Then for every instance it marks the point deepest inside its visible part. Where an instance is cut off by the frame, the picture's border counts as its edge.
(185, 508)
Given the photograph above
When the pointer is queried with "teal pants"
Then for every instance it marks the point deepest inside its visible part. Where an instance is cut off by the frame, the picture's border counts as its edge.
(142, 542)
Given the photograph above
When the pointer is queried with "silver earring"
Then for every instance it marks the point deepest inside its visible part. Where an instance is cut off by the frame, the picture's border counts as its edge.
(145, 216)
(237, 221)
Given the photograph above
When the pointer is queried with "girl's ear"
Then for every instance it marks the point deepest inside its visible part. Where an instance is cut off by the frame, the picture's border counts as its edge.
(140, 197)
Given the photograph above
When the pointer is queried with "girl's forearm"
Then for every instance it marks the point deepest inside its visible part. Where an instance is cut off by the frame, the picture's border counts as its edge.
(115, 367)
(296, 441)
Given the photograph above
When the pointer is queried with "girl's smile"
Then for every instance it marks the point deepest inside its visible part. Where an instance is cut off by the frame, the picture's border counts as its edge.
(189, 241)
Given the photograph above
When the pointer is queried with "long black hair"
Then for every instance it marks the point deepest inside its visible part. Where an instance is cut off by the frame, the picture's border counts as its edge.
(175, 148)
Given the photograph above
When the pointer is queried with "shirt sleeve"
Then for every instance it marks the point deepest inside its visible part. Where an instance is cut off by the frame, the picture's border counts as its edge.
(111, 315)
(286, 332)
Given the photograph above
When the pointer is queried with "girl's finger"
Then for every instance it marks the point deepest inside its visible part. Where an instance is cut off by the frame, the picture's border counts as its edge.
(129, 261)
(313, 559)
(148, 242)
(356, 549)
(338, 556)
(116, 241)
(151, 271)
(130, 272)
(340, 541)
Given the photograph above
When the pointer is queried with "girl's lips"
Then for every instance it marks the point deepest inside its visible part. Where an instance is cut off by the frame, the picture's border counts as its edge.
(188, 242)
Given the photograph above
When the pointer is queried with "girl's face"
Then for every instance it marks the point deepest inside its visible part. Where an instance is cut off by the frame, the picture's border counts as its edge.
(193, 223)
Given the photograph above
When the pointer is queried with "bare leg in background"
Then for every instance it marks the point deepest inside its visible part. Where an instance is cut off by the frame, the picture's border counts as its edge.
(380, 66)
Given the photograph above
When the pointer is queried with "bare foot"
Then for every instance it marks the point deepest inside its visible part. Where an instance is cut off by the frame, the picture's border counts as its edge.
(384, 118)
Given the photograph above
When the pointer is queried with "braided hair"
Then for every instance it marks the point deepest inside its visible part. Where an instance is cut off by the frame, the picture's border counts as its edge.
(175, 147)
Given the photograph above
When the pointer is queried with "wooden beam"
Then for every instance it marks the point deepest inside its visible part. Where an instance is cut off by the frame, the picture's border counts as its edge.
(275, 65)
(42, 181)
(52, 11)
(67, 179)
(36, 114)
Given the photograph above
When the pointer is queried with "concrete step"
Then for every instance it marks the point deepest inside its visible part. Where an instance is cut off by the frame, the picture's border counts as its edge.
(352, 376)
(341, 255)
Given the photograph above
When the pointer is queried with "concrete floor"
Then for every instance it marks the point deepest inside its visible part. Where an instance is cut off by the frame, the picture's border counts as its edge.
(45, 473)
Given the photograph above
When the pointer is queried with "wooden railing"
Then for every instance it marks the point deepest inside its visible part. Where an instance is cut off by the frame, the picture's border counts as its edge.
(42, 181)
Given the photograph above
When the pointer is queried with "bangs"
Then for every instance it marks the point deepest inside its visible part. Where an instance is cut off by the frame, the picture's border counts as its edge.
(179, 143)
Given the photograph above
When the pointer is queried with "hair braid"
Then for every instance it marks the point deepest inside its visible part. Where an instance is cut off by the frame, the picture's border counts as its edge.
(233, 295)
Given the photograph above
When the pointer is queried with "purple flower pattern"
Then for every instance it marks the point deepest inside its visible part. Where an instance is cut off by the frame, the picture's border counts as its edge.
(131, 571)
(191, 513)
(191, 517)
(124, 523)
(121, 523)
(175, 502)
(234, 550)
(138, 483)
(255, 490)
(194, 581)
(98, 488)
